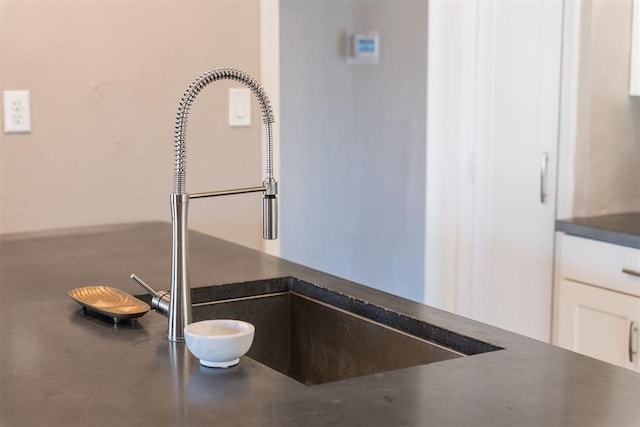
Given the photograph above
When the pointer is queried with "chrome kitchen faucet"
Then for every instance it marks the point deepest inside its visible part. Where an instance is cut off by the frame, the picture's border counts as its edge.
(177, 304)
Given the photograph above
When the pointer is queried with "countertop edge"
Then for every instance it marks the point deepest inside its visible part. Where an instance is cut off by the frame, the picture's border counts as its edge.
(620, 229)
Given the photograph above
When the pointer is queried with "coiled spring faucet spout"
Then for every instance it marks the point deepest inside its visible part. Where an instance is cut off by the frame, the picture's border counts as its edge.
(177, 305)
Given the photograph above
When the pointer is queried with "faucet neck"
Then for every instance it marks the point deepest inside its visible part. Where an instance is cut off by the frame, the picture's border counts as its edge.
(185, 106)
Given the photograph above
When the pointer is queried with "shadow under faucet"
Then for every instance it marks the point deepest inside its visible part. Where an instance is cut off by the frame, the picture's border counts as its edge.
(177, 304)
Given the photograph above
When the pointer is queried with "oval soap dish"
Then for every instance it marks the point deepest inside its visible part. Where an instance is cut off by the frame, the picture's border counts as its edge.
(110, 302)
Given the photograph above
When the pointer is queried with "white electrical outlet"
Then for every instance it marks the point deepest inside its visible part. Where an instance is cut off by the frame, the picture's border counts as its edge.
(17, 111)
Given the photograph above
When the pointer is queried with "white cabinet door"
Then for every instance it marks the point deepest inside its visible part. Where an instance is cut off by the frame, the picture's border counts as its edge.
(599, 323)
(491, 170)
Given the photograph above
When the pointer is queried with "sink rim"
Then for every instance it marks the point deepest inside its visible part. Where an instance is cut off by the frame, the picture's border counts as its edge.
(332, 307)
(371, 312)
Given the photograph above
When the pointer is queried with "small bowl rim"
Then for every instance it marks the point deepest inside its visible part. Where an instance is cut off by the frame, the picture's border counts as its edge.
(249, 330)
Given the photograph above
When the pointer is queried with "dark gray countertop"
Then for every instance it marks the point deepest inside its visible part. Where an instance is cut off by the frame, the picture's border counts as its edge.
(60, 367)
(621, 229)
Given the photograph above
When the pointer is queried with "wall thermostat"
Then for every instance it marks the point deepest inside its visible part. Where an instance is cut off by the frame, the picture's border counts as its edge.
(364, 48)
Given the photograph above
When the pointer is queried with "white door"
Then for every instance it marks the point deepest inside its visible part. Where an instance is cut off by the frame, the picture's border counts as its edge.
(599, 323)
(503, 160)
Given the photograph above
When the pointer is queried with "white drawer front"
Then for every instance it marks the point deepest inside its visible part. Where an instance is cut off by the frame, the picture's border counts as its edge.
(601, 264)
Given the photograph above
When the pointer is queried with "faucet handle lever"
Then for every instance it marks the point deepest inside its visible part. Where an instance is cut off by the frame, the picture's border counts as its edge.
(160, 300)
(146, 287)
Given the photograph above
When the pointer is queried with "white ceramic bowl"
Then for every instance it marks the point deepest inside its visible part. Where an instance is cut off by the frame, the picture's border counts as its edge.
(219, 343)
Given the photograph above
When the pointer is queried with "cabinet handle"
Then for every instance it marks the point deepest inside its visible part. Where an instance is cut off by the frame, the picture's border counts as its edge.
(631, 272)
(544, 160)
(632, 329)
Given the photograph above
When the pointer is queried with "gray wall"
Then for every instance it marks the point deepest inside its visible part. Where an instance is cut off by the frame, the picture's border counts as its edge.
(607, 170)
(353, 142)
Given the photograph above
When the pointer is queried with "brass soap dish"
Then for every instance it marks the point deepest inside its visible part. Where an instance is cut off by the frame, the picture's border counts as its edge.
(110, 302)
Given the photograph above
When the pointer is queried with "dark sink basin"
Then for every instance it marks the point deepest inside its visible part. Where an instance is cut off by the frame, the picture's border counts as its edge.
(315, 335)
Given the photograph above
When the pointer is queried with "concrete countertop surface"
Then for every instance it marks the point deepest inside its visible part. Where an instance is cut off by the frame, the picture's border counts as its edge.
(62, 367)
(621, 229)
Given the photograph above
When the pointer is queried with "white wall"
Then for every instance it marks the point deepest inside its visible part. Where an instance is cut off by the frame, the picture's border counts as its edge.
(353, 142)
(105, 80)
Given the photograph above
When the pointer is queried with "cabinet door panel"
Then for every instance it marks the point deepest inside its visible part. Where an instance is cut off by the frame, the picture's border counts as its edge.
(596, 322)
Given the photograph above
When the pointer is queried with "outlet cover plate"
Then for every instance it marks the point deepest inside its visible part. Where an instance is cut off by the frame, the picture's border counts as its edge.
(17, 111)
